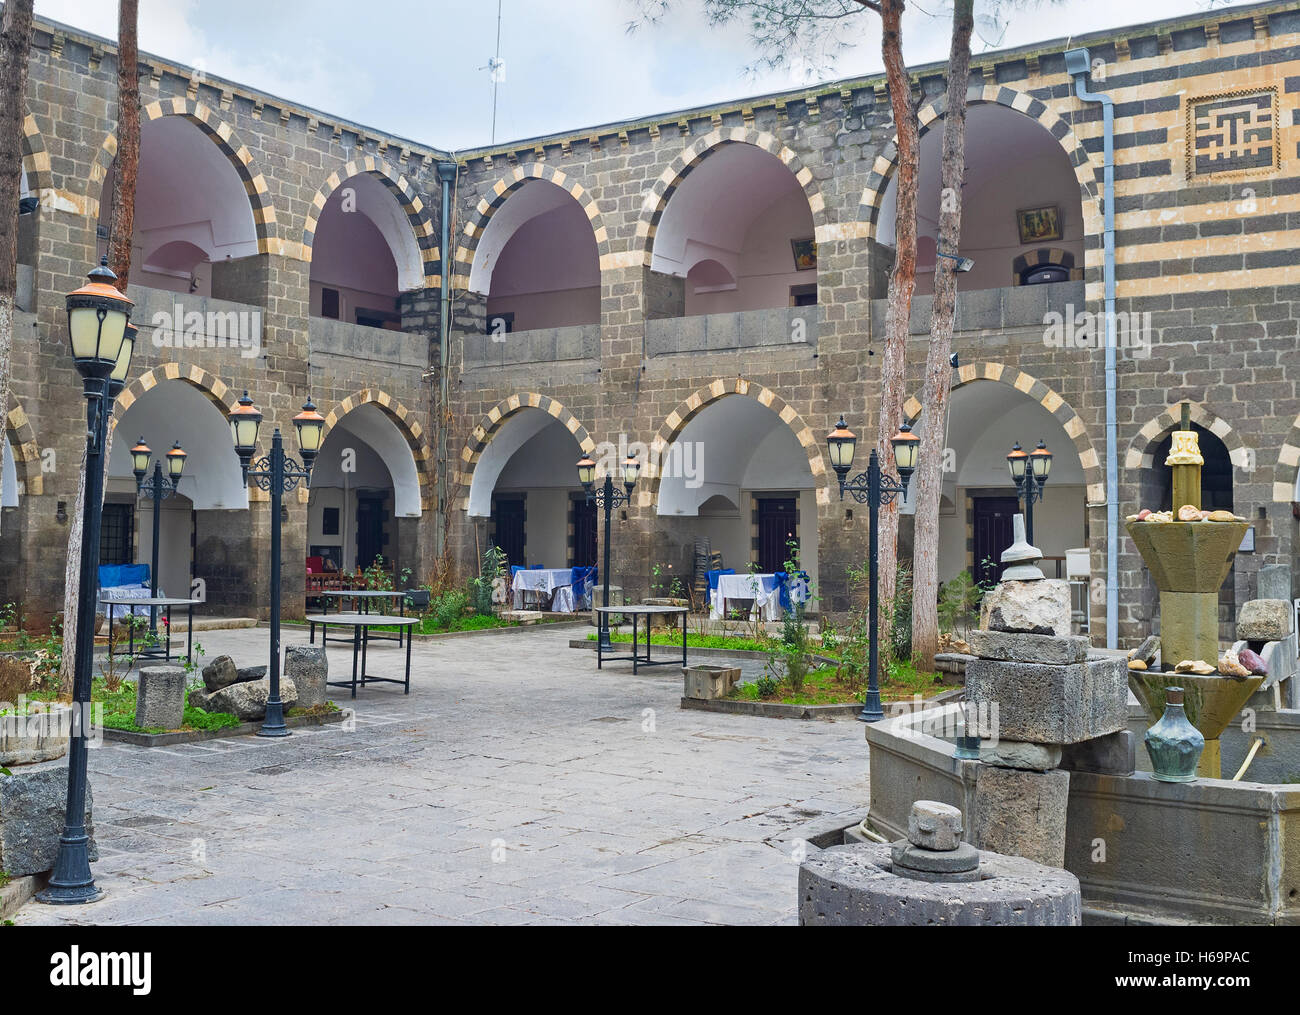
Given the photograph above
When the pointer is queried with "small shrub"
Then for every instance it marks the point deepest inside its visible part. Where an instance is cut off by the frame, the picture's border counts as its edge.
(15, 678)
(449, 607)
(766, 685)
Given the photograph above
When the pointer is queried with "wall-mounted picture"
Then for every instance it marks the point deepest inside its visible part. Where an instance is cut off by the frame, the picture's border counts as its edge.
(805, 254)
(1037, 224)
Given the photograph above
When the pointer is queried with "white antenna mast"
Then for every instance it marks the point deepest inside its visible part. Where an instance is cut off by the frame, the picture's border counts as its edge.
(497, 67)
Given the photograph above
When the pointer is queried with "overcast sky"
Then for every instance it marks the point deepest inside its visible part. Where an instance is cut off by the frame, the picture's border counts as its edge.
(418, 68)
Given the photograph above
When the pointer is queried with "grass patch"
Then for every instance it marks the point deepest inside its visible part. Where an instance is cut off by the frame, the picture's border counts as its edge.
(694, 640)
(119, 711)
(323, 709)
(429, 624)
(824, 687)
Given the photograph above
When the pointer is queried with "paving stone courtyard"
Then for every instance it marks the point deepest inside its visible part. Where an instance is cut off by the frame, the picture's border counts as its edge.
(515, 785)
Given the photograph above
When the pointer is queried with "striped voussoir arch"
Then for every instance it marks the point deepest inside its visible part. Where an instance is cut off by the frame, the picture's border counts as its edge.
(1288, 466)
(497, 196)
(1043, 255)
(426, 236)
(212, 387)
(26, 452)
(1141, 451)
(407, 425)
(224, 137)
(676, 421)
(1087, 171)
(1093, 475)
(488, 426)
(657, 198)
(36, 159)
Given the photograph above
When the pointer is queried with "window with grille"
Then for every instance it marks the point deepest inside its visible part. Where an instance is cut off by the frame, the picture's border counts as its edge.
(116, 534)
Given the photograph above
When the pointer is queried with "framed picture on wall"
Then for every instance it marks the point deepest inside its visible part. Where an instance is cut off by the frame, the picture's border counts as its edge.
(805, 254)
(1038, 224)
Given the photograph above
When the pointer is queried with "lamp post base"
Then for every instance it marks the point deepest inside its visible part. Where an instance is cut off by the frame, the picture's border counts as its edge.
(871, 709)
(71, 884)
(273, 725)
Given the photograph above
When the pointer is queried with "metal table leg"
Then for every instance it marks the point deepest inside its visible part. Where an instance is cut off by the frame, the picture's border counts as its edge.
(356, 650)
(408, 665)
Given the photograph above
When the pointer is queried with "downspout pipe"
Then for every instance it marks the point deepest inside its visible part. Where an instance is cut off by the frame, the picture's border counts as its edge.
(1078, 65)
(447, 172)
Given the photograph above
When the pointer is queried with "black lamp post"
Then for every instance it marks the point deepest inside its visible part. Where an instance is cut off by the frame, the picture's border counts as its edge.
(873, 488)
(101, 349)
(609, 498)
(1030, 471)
(278, 474)
(158, 490)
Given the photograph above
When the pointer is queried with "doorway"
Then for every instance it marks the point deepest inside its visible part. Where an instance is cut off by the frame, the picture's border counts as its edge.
(992, 534)
(778, 524)
(371, 516)
(509, 515)
(584, 549)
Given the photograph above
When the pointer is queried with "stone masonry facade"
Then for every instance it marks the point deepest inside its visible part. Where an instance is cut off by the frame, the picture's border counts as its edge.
(1207, 248)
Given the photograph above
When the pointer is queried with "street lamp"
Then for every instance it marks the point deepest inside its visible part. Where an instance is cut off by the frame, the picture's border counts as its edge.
(873, 488)
(609, 498)
(159, 488)
(101, 349)
(277, 474)
(1029, 472)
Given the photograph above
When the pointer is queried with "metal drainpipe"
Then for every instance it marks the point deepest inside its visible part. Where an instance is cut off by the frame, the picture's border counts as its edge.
(447, 174)
(1078, 65)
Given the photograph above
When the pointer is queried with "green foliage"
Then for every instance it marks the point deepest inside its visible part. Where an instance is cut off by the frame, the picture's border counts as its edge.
(491, 576)
(791, 656)
(662, 587)
(5, 878)
(377, 577)
(448, 608)
(898, 615)
(959, 601)
(766, 685)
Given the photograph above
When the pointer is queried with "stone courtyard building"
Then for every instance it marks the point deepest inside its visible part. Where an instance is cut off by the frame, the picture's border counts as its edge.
(708, 284)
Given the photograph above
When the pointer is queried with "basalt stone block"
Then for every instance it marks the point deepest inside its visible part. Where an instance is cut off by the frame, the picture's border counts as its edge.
(1021, 813)
(199, 698)
(247, 673)
(308, 668)
(1032, 607)
(1265, 620)
(160, 697)
(1041, 704)
(33, 803)
(1275, 581)
(1028, 648)
(1113, 754)
(219, 673)
(1016, 754)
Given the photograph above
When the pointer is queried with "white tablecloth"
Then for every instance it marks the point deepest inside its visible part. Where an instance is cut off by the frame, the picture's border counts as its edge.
(759, 587)
(125, 592)
(543, 579)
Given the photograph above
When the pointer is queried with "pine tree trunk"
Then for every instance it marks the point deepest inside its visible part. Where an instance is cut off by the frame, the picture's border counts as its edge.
(938, 371)
(15, 41)
(902, 283)
(126, 168)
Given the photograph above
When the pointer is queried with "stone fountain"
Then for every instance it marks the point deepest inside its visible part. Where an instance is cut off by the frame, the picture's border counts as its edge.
(1189, 552)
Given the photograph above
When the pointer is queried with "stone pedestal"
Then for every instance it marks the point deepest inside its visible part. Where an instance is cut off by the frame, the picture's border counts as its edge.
(1039, 703)
(709, 682)
(1189, 626)
(1021, 812)
(308, 667)
(33, 802)
(160, 697)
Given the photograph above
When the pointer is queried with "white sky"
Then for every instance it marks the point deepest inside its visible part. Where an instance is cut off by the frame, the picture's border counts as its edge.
(417, 68)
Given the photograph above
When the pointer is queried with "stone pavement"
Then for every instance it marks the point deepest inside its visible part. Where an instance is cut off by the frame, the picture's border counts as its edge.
(516, 784)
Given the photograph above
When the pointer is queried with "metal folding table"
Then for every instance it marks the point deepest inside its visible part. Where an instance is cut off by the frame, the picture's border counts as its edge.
(164, 651)
(361, 624)
(649, 612)
(361, 599)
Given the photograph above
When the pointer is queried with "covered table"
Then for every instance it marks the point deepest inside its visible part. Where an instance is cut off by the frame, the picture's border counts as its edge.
(544, 580)
(764, 589)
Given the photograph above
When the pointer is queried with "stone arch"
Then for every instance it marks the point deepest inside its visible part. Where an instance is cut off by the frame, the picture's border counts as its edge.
(422, 227)
(1140, 451)
(36, 159)
(407, 426)
(658, 196)
(1071, 422)
(224, 137)
(26, 452)
(1043, 255)
(213, 388)
(676, 421)
(1288, 466)
(1085, 170)
(501, 190)
(487, 427)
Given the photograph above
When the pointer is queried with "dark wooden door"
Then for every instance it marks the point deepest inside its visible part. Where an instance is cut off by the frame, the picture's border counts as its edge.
(509, 515)
(371, 516)
(993, 534)
(585, 548)
(778, 523)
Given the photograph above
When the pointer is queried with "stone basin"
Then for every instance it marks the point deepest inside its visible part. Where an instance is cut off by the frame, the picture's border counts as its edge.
(41, 736)
(1188, 556)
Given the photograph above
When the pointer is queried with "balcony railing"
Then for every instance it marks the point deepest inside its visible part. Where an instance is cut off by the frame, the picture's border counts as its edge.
(543, 345)
(748, 329)
(359, 341)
